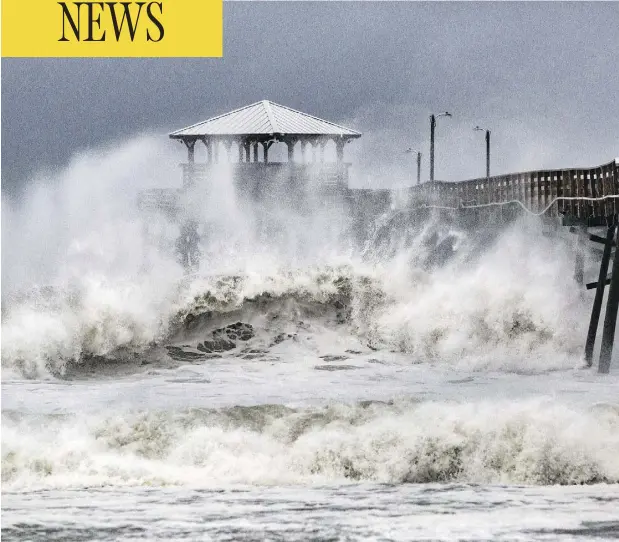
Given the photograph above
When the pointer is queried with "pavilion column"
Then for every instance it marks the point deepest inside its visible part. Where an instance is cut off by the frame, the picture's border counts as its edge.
(339, 149)
(265, 151)
(290, 143)
(209, 148)
(215, 151)
(241, 151)
(305, 148)
(255, 151)
(207, 145)
(315, 151)
(191, 147)
(227, 148)
(247, 152)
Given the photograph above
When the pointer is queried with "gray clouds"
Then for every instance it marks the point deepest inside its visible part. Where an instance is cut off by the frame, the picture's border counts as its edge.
(542, 76)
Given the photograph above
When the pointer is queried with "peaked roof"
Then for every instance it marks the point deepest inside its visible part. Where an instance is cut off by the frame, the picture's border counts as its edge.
(265, 118)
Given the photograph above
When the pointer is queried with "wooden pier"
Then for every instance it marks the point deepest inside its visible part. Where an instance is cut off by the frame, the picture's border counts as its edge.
(581, 198)
(585, 196)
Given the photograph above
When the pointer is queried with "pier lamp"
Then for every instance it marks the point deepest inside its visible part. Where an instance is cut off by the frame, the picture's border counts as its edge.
(478, 129)
(410, 150)
(432, 127)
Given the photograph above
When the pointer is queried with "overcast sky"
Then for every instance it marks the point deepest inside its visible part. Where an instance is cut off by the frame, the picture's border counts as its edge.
(543, 77)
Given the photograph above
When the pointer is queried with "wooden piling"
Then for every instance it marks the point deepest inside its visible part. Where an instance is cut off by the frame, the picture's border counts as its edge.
(610, 319)
(579, 260)
(599, 296)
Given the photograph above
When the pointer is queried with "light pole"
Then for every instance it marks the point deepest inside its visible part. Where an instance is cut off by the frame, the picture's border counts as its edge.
(418, 164)
(478, 129)
(432, 127)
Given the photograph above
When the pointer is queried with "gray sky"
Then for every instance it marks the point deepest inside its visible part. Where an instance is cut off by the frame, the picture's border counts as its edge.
(542, 76)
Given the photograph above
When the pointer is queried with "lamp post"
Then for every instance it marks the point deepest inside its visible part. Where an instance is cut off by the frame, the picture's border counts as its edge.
(432, 127)
(478, 129)
(418, 164)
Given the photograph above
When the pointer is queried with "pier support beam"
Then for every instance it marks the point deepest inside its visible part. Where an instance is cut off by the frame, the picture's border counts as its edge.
(599, 296)
(579, 260)
(610, 319)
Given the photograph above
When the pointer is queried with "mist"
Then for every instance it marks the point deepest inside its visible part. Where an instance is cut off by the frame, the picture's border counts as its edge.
(82, 278)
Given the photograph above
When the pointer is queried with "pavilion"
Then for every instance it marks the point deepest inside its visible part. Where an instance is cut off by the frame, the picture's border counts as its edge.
(244, 136)
(242, 139)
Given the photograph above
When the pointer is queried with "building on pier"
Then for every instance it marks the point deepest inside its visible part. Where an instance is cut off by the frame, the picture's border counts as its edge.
(273, 153)
(245, 137)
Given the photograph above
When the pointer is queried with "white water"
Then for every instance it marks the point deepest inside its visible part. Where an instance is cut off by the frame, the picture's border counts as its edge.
(473, 371)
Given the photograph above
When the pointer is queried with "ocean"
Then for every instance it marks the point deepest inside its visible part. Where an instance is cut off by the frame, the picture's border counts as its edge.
(297, 386)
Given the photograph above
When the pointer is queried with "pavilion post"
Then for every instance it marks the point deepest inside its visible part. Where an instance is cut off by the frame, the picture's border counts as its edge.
(241, 151)
(339, 149)
(306, 146)
(191, 147)
(290, 143)
(265, 149)
(209, 149)
(255, 151)
(215, 149)
(205, 140)
(223, 156)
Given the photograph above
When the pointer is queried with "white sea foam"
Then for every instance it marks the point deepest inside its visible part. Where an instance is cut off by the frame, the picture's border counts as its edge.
(527, 442)
(505, 303)
(443, 343)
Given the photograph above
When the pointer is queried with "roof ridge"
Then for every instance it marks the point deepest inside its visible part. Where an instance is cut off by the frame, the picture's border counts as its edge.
(265, 117)
(315, 118)
(218, 117)
(267, 107)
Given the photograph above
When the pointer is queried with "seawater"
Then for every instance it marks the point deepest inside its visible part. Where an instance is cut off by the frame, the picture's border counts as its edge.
(378, 396)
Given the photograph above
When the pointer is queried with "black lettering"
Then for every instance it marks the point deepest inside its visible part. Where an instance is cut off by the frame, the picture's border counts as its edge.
(66, 16)
(92, 21)
(155, 21)
(126, 16)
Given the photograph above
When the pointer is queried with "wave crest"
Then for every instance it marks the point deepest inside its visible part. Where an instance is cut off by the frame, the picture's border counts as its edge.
(528, 442)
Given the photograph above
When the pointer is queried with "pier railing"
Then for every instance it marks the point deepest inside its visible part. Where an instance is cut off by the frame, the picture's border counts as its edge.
(547, 192)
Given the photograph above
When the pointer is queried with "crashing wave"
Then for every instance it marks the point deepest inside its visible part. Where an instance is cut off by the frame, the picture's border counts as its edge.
(537, 442)
(512, 307)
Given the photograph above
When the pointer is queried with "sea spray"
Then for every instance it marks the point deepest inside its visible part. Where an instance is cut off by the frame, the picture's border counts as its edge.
(539, 441)
(505, 301)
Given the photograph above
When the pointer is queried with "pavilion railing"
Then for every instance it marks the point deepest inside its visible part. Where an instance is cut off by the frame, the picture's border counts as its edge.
(326, 173)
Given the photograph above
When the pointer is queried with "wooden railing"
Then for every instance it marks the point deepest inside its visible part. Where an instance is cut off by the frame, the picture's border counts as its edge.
(537, 191)
(323, 172)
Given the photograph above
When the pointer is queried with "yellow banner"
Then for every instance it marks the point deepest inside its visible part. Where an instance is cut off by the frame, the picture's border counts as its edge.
(162, 28)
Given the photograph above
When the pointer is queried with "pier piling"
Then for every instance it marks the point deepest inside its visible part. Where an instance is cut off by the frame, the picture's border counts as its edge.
(610, 319)
(599, 296)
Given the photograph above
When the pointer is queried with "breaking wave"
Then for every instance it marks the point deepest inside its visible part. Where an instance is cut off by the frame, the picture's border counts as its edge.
(433, 291)
(514, 311)
(527, 442)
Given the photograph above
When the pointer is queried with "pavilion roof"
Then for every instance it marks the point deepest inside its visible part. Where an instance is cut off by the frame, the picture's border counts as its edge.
(265, 118)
